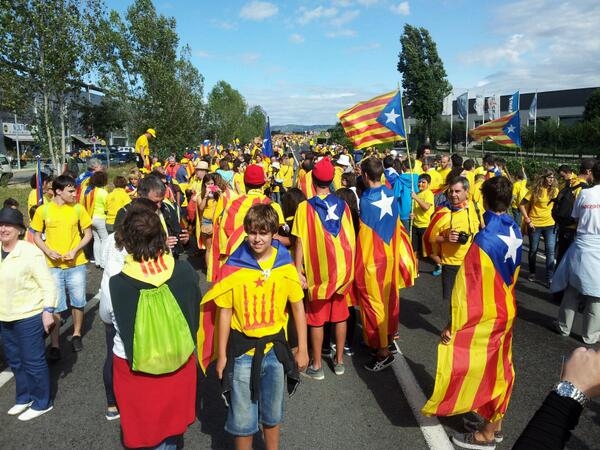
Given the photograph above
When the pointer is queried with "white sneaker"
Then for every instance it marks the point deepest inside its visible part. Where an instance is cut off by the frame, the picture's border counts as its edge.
(33, 413)
(18, 408)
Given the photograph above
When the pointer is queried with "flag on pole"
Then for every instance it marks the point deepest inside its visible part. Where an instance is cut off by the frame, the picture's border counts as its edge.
(39, 192)
(205, 147)
(475, 370)
(447, 106)
(267, 143)
(361, 121)
(533, 108)
(479, 105)
(392, 116)
(513, 102)
(462, 105)
(494, 106)
(504, 131)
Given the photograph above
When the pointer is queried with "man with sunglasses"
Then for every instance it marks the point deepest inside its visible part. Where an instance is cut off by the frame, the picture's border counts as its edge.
(451, 232)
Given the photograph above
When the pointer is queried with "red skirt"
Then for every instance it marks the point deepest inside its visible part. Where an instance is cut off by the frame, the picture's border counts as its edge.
(154, 407)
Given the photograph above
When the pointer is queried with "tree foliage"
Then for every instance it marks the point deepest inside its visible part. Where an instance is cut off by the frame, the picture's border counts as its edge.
(226, 112)
(45, 52)
(101, 119)
(592, 106)
(423, 75)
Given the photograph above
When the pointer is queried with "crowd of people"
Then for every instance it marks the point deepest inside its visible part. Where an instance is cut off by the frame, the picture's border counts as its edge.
(331, 240)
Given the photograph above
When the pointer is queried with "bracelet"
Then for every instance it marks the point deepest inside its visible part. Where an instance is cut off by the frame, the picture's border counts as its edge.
(49, 309)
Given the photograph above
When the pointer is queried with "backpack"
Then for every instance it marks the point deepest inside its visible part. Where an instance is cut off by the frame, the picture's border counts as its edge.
(562, 206)
(162, 341)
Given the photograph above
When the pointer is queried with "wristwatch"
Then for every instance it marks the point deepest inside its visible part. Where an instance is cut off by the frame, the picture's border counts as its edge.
(567, 389)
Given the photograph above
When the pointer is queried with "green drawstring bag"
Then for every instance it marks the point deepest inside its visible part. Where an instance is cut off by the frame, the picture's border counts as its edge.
(162, 341)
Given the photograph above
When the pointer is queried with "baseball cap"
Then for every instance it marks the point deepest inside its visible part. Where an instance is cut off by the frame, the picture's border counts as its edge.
(152, 131)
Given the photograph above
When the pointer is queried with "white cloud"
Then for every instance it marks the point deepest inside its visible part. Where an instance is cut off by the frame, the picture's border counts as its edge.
(223, 24)
(256, 10)
(296, 38)
(542, 45)
(365, 48)
(201, 54)
(341, 33)
(320, 12)
(250, 58)
(344, 18)
(402, 9)
(367, 2)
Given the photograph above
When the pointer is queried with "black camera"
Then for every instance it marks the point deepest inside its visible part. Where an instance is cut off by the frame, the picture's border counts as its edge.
(463, 237)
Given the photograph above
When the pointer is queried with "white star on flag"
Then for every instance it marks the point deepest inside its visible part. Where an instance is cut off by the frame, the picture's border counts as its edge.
(391, 116)
(385, 205)
(265, 142)
(513, 243)
(331, 215)
(510, 129)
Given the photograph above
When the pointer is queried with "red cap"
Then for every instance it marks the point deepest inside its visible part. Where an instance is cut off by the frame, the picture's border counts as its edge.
(323, 170)
(254, 175)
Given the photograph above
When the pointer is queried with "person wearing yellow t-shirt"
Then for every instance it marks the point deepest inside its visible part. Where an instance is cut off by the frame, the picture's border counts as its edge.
(444, 168)
(115, 200)
(450, 233)
(287, 171)
(437, 183)
(252, 299)
(32, 199)
(518, 194)
(423, 206)
(423, 153)
(536, 208)
(142, 148)
(67, 228)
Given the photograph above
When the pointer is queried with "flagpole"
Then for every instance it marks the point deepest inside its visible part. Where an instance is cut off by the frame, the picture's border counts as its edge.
(410, 168)
(535, 123)
(451, 120)
(467, 127)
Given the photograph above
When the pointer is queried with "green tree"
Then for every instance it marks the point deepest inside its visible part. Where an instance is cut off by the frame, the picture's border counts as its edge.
(339, 136)
(423, 76)
(100, 120)
(158, 85)
(226, 111)
(592, 106)
(253, 124)
(45, 52)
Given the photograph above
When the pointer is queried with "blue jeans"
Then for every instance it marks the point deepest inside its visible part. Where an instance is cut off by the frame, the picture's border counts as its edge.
(244, 415)
(107, 374)
(73, 281)
(549, 234)
(24, 350)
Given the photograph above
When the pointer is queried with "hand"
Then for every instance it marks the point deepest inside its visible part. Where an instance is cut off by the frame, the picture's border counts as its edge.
(303, 281)
(171, 241)
(220, 367)
(48, 321)
(411, 216)
(53, 255)
(453, 236)
(301, 358)
(184, 236)
(70, 256)
(583, 370)
(413, 195)
(446, 335)
(531, 226)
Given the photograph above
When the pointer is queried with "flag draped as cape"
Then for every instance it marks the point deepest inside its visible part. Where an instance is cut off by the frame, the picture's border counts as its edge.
(475, 370)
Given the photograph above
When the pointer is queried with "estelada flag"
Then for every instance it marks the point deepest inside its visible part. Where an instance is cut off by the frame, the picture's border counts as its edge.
(475, 370)
(305, 183)
(239, 271)
(505, 130)
(385, 263)
(231, 230)
(361, 122)
(324, 227)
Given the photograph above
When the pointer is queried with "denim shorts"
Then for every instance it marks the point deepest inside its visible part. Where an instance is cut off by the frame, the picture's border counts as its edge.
(244, 415)
(70, 281)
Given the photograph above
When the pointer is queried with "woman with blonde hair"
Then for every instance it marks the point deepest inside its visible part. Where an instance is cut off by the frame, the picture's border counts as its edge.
(536, 209)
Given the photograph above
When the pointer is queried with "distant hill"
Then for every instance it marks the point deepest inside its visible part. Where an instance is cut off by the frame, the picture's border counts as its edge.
(291, 128)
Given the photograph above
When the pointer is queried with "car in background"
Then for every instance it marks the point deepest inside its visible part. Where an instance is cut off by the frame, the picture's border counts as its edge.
(127, 149)
(6, 172)
(126, 157)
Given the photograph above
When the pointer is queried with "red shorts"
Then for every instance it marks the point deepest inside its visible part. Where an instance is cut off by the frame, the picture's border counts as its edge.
(318, 312)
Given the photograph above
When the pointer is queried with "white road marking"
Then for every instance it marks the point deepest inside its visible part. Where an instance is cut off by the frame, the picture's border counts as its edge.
(432, 430)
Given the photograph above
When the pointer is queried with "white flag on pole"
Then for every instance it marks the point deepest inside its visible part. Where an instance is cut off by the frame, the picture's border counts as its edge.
(533, 108)
(479, 105)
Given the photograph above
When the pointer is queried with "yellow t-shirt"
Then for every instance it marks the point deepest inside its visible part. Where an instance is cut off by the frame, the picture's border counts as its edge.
(287, 173)
(519, 191)
(238, 183)
(337, 177)
(32, 199)
(114, 202)
(62, 230)
(100, 203)
(463, 220)
(436, 180)
(443, 174)
(141, 145)
(540, 209)
(422, 217)
(259, 304)
(418, 168)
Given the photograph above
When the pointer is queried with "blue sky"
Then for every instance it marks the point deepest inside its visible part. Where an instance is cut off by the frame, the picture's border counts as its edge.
(304, 61)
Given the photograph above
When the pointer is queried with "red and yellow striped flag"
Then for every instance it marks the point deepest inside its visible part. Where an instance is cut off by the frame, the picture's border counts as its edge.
(385, 263)
(361, 125)
(475, 370)
(324, 226)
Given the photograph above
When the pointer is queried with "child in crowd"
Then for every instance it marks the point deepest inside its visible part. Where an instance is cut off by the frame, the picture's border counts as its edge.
(253, 355)
(422, 211)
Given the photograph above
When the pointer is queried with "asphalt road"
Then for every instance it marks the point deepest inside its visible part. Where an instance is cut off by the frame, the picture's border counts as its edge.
(358, 410)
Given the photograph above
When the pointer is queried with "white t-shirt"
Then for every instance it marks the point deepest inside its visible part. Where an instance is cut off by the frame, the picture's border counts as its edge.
(587, 211)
